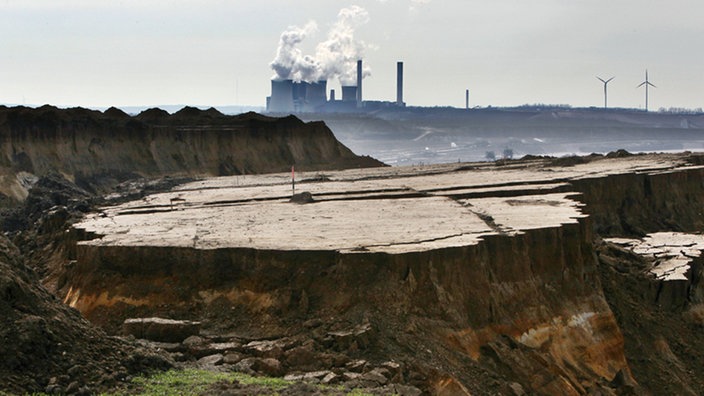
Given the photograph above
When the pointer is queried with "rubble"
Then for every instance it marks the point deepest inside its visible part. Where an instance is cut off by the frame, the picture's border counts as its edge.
(159, 329)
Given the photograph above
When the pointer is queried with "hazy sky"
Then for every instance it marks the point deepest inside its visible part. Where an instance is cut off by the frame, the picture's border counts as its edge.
(217, 52)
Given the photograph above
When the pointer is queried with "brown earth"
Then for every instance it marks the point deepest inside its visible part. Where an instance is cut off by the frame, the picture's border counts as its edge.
(47, 346)
(53, 162)
(551, 310)
(98, 150)
(530, 312)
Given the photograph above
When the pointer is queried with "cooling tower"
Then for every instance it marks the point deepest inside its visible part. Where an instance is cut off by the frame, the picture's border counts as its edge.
(359, 83)
(299, 90)
(281, 96)
(399, 83)
(316, 93)
(349, 94)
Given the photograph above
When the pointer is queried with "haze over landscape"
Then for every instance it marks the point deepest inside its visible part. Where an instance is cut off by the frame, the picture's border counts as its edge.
(217, 53)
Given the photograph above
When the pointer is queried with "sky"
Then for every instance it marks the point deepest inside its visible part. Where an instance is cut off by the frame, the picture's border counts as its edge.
(217, 52)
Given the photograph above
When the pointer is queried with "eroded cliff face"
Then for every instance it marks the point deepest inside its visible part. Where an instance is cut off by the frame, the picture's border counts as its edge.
(97, 150)
(656, 296)
(538, 293)
(497, 285)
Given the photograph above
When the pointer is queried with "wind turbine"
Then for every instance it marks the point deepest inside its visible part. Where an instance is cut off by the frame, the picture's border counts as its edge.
(605, 82)
(646, 83)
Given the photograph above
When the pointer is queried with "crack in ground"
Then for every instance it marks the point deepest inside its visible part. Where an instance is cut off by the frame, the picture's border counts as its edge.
(417, 242)
(487, 219)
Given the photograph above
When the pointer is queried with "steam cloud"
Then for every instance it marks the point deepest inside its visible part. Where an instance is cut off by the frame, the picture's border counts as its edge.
(336, 57)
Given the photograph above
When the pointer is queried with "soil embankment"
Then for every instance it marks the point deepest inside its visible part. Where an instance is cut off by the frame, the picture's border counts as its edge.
(47, 346)
(98, 150)
(54, 164)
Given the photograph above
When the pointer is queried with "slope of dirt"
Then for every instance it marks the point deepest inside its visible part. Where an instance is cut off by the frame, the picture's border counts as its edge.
(98, 150)
(47, 346)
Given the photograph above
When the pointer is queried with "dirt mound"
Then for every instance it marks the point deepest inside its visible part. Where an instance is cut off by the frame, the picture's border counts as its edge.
(194, 112)
(47, 346)
(152, 114)
(114, 112)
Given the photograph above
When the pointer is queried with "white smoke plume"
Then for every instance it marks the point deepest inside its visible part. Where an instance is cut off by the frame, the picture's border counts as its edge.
(338, 54)
(416, 5)
(290, 63)
(336, 57)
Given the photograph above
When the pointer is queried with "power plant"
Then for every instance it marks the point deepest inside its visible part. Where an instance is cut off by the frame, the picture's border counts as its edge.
(289, 96)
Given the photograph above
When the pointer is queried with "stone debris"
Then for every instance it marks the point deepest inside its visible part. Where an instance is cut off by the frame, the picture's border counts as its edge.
(357, 338)
(269, 349)
(671, 255)
(302, 198)
(233, 357)
(159, 329)
(293, 359)
(305, 361)
(672, 252)
(211, 360)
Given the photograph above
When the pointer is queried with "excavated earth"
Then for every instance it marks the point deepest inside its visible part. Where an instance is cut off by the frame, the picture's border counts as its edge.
(537, 276)
(55, 165)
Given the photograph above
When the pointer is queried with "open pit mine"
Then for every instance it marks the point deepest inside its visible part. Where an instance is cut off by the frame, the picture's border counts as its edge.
(551, 276)
(464, 273)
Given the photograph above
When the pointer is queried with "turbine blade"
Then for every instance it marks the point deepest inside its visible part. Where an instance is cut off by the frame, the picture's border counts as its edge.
(641, 84)
(609, 79)
(600, 79)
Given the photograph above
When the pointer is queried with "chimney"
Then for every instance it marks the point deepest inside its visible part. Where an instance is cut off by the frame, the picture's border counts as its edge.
(359, 83)
(399, 83)
(466, 100)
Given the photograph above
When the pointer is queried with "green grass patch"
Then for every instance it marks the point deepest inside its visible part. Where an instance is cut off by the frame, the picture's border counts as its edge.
(196, 382)
(191, 382)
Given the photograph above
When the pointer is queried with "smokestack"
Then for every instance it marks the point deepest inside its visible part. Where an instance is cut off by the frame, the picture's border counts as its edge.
(466, 100)
(399, 83)
(359, 83)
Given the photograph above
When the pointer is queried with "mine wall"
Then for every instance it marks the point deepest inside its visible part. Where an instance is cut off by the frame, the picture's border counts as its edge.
(545, 308)
(98, 150)
(661, 320)
(539, 289)
(635, 204)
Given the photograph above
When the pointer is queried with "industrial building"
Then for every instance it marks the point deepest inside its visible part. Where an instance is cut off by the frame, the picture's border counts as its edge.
(288, 96)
